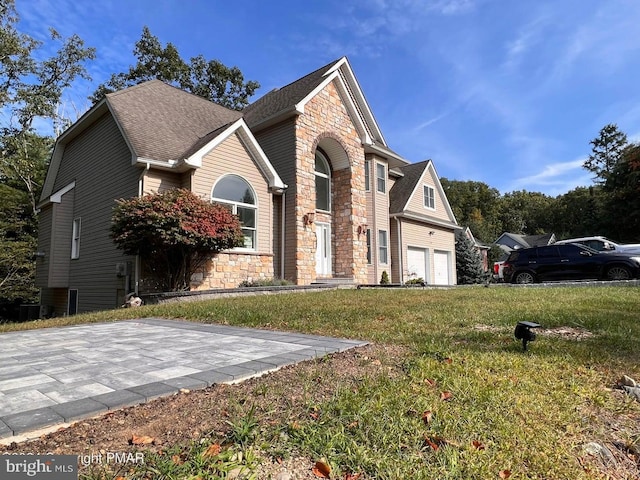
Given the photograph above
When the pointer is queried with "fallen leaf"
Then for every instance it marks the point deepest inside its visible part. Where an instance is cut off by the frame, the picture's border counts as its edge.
(478, 445)
(321, 469)
(314, 415)
(352, 476)
(431, 443)
(353, 424)
(212, 451)
(177, 459)
(430, 382)
(141, 440)
(427, 417)
(446, 396)
(504, 474)
(448, 360)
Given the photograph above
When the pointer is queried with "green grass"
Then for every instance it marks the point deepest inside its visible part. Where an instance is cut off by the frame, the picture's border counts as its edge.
(528, 413)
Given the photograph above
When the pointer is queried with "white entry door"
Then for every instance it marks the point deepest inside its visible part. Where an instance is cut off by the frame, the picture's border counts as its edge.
(323, 249)
(441, 268)
(417, 264)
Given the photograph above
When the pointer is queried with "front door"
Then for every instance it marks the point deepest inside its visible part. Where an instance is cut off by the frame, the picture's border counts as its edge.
(323, 249)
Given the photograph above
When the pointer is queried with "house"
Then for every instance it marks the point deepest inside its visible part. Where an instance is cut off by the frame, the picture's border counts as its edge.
(306, 168)
(481, 248)
(512, 241)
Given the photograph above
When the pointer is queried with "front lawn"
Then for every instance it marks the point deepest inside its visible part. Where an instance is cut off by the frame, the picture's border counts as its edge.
(463, 401)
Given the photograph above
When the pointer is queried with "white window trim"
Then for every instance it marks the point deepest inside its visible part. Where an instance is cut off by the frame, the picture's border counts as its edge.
(75, 238)
(425, 197)
(234, 209)
(385, 246)
(383, 178)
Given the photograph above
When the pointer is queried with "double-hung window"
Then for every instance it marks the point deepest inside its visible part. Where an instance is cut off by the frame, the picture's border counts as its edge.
(381, 177)
(383, 247)
(75, 238)
(236, 194)
(429, 197)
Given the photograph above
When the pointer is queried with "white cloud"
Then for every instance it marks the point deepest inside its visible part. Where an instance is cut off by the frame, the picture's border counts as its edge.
(555, 178)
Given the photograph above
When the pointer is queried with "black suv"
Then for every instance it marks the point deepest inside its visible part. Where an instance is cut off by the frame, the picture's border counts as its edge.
(568, 262)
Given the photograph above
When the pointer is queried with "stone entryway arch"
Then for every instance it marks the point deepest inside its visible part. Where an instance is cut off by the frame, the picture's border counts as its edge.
(334, 238)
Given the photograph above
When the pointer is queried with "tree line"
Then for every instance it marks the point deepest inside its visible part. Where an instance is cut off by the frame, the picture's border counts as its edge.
(609, 207)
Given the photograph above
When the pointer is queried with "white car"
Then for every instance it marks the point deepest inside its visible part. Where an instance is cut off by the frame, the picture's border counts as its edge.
(603, 244)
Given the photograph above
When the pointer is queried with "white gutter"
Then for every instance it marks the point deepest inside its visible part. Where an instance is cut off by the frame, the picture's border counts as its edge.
(401, 267)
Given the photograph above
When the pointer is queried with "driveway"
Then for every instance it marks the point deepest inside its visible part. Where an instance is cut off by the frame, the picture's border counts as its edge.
(59, 375)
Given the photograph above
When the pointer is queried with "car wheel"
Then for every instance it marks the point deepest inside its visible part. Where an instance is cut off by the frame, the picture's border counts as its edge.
(524, 277)
(618, 272)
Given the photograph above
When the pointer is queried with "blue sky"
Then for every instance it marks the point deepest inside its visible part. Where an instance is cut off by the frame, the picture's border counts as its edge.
(499, 91)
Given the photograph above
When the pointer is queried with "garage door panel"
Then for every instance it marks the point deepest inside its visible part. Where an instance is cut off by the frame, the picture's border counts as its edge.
(417, 263)
(441, 268)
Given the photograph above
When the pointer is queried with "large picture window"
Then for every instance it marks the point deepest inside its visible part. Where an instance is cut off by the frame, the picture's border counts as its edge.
(235, 193)
(323, 183)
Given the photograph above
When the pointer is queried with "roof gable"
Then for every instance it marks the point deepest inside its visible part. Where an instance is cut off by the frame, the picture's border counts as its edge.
(409, 185)
(291, 100)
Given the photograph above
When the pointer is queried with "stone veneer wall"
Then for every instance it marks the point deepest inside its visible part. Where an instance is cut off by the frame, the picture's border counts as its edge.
(327, 120)
(228, 270)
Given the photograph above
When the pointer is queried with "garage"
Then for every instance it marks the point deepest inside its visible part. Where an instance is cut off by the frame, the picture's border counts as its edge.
(441, 268)
(417, 266)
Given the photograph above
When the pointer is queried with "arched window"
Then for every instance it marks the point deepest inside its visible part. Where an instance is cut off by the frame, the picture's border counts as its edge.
(235, 193)
(323, 182)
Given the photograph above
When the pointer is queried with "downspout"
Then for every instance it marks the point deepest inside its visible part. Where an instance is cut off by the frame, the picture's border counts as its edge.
(282, 233)
(401, 261)
(136, 273)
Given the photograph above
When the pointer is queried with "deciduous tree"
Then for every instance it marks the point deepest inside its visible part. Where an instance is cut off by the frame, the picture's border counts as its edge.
(175, 233)
(210, 79)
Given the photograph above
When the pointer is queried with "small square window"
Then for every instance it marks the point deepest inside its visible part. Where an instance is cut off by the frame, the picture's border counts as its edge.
(429, 197)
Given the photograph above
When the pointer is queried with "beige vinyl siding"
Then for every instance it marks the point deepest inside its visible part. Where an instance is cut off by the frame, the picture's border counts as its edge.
(279, 144)
(100, 163)
(231, 157)
(62, 228)
(416, 202)
(416, 234)
(158, 181)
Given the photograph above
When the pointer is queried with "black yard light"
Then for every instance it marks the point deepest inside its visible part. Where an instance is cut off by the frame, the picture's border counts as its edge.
(523, 332)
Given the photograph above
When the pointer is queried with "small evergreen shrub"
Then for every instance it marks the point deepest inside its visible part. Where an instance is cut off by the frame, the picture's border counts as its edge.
(385, 278)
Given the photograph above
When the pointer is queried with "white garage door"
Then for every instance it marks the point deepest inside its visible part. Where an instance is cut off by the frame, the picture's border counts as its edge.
(441, 268)
(417, 264)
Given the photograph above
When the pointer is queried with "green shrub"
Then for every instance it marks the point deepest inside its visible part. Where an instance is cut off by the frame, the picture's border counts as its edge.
(385, 278)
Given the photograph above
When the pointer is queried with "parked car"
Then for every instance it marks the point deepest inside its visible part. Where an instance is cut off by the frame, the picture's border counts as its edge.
(568, 262)
(603, 244)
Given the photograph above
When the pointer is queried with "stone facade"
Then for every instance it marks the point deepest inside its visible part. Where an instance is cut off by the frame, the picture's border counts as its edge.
(326, 124)
(228, 270)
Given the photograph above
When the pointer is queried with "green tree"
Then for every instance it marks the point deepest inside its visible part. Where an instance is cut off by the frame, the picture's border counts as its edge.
(31, 87)
(468, 262)
(474, 204)
(580, 212)
(209, 79)
(606, 152)
(622, 202)
(175, 233)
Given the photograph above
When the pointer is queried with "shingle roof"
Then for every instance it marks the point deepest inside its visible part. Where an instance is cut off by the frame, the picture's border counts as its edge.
(404, 186)
(164, 123)
(280, 100)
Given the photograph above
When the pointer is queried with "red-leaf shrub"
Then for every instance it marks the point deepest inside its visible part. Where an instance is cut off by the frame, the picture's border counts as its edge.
(174, 232)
